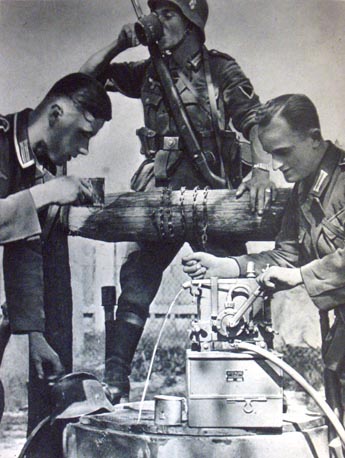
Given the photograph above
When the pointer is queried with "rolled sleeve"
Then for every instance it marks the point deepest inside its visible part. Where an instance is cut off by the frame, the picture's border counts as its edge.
(19, 219)
(126, 77)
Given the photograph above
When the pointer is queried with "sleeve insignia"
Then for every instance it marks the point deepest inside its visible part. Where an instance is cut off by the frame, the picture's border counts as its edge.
(248, 91)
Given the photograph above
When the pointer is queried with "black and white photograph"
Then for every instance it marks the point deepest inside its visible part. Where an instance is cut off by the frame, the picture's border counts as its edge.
(172, 229)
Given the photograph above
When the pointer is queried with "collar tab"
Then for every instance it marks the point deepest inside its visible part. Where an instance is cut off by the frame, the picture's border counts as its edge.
(25, 155)
(320, 183)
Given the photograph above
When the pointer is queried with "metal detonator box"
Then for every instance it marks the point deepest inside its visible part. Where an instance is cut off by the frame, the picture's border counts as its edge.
(237, 390)
(229, 388)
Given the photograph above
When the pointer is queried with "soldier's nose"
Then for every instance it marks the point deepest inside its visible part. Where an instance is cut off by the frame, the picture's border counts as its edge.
(83, 151)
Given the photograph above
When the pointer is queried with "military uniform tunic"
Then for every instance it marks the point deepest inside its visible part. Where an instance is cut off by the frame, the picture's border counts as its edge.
(313, 238)
(36, 270)
(236, 102)
(23, 265)
(312, 234)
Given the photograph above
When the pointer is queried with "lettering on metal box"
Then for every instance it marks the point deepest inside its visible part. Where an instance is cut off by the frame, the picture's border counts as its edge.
(234, 376)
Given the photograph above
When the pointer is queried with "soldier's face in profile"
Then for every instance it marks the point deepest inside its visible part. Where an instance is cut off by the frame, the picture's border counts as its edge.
(293, 153)
(174, 25)
(70, 133)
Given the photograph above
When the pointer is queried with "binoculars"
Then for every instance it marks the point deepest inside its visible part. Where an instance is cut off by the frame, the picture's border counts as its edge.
(148, 29)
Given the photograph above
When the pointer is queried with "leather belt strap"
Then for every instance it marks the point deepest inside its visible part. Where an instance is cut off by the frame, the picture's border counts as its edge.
(212, 95)
(214, 110)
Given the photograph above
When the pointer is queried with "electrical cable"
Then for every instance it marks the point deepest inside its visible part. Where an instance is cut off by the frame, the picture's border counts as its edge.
(141, 405)
(301, 381)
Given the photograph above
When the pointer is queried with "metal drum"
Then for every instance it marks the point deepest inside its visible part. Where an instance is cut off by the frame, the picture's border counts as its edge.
(118, 435)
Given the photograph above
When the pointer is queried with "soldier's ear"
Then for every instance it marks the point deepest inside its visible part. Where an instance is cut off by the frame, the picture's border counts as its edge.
(54, 114)
(315, 134)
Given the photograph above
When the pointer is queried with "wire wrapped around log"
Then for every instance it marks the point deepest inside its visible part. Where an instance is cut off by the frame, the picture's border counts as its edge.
(136, 216)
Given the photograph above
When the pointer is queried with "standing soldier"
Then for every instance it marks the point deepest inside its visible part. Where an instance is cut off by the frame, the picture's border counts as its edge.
(33, 143)
(213, 90)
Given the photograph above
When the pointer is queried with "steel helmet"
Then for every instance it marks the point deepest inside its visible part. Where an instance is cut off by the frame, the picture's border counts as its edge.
(76, 394)
(196, 11)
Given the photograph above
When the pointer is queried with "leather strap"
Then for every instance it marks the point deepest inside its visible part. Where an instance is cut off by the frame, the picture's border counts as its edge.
(213, 105)
(193, 91)
(161, 165)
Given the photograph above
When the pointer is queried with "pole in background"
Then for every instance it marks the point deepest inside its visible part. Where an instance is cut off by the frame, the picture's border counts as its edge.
(109, 302)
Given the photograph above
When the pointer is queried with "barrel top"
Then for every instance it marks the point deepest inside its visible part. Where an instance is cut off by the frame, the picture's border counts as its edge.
(124, 419)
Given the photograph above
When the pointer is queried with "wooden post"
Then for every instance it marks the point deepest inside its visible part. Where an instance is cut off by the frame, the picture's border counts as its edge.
(177, 215)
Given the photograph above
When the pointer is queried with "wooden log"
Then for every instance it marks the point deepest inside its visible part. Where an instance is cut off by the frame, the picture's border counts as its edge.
(177, 215)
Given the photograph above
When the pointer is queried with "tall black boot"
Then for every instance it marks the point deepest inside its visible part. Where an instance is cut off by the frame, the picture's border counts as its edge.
(122, 339)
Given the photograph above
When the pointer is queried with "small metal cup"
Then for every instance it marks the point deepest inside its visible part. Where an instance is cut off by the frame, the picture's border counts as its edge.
(169, 409)
(97, 185)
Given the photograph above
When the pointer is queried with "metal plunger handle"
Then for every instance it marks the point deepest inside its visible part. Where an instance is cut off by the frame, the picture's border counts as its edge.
(244, 307)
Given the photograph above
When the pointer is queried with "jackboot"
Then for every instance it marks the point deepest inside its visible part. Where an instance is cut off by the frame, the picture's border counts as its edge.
(122, 339)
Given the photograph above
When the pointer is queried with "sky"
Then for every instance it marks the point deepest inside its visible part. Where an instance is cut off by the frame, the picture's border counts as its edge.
(283, 46)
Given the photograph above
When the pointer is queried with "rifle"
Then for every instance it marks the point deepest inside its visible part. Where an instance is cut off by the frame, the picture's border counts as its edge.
(147, 28)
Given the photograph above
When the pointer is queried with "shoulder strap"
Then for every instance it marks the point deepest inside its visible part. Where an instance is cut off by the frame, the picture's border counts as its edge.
(213, 104)
(188, 84)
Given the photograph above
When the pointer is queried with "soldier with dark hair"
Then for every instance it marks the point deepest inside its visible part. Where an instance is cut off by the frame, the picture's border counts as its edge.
(310, 248)
(33, 143)
(214, 91)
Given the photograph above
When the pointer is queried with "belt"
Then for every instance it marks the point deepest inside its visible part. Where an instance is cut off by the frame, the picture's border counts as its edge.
(151, 142)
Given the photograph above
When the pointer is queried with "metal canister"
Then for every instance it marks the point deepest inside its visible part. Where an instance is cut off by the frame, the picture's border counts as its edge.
(169, 409)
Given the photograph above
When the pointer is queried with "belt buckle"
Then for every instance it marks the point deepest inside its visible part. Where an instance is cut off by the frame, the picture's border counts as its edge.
(170, 143)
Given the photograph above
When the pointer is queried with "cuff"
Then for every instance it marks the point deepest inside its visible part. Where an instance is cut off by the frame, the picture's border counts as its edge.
(242, 262)
(19, 217)
(324, 300)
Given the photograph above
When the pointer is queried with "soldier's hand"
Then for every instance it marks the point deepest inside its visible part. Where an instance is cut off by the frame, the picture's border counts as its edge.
(204, 265)
(262, 190)
(280, 278)
(46, 361)
(70, 189)
(127, 37)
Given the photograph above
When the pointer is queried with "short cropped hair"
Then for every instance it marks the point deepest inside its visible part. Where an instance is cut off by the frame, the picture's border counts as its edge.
(87, 93)
(297, 109)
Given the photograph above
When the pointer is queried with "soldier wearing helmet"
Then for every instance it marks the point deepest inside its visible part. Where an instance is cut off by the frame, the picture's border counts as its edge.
(206, 81)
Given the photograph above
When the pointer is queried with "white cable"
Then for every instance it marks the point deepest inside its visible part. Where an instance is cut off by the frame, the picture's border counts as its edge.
(301, 381)
(154, 354)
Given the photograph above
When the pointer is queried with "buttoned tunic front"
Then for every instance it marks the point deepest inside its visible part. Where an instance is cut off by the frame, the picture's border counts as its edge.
(23, 259)
(235, 98)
